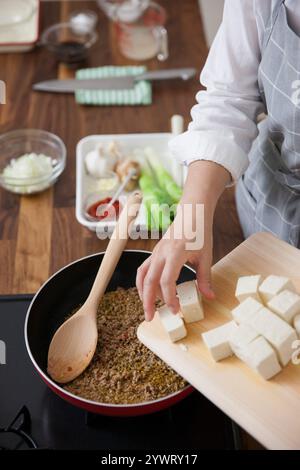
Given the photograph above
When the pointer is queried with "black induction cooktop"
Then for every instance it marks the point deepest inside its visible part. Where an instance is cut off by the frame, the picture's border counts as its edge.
(39, 418)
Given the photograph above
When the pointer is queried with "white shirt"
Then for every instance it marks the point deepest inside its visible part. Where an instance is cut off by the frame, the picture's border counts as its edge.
(224, 122)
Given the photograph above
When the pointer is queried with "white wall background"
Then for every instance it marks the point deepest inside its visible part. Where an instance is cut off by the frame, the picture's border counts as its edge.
(211, 12)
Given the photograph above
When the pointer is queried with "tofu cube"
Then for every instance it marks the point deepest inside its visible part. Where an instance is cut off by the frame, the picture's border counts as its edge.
(247, 286)
(173, 324)
(190, 301)
(279, 333)
(260, 356)
(246, 310)
(217, 340)
(286, 305)
(296, 323)
(273, 285)
(243, 335)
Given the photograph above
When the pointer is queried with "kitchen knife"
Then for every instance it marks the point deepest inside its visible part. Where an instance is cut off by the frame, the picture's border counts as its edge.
(113, 83)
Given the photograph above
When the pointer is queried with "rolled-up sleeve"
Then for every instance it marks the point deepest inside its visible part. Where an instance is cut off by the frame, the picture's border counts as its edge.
(224, 120)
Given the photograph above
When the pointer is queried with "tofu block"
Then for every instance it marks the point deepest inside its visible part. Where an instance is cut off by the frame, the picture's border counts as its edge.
(296, 324)
(246, 310)
(273, 285)
(247, 286)
(286, 305)
(279, 333)
(243, 335)
(260, 356)
(173, 324)
(190, 301)
(217, 340)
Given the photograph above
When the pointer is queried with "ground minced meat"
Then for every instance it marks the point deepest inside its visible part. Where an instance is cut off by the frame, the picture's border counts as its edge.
(123, 370)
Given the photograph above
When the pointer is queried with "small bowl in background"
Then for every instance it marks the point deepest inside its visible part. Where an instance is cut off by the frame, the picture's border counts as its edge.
(17, 143)
(67, 43)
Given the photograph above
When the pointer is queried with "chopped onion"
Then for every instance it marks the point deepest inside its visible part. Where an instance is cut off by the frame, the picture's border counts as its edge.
(22, 174)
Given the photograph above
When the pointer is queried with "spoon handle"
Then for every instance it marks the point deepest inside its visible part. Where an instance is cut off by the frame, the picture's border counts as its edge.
(114, 249)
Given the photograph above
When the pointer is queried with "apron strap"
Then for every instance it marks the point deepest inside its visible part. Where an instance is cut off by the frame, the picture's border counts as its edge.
(271, 22)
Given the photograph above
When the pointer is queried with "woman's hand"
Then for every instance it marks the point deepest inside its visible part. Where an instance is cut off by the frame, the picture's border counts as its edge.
(157, 276)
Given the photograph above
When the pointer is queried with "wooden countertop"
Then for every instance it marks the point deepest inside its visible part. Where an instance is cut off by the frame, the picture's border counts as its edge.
(39, 234)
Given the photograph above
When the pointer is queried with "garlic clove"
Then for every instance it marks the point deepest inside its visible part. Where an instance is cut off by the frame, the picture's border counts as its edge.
(96, 166)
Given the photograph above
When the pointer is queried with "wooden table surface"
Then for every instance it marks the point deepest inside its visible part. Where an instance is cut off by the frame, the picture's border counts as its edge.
(39, 234)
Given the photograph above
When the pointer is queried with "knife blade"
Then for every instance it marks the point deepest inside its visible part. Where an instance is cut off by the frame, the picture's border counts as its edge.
(71, 85)
(112, 83)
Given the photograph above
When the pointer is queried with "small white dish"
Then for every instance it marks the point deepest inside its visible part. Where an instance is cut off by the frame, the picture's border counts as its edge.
(15, 11)
(19, 25)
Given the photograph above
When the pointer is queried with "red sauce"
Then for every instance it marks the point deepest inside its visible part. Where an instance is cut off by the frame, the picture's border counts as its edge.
(112, 212)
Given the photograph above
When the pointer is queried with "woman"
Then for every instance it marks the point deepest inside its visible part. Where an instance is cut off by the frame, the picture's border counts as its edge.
(253, 68)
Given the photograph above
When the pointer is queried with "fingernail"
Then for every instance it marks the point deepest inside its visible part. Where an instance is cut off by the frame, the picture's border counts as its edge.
(147, 316)
(174, 310)
(211, 294)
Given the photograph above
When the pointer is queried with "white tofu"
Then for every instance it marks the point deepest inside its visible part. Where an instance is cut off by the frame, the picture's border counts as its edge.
(243, 335)
(273, 285)
(296, 323)
(246, 310)
(217, 340)
(279, 333)
(247, 286)
(190, 301)
(286, 304)
(173, 324)
(260, 356)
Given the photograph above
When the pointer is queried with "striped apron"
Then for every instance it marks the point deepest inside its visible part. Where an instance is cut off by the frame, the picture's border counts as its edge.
(268, 194)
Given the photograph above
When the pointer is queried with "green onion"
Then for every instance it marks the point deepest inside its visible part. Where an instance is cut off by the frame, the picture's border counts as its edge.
(164, 179)
(154, 200)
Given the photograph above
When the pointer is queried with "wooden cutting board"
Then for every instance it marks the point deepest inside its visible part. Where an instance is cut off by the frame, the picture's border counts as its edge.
(268, 410)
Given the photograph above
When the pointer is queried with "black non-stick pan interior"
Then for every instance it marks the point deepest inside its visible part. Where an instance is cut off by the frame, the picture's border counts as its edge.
(68, 289)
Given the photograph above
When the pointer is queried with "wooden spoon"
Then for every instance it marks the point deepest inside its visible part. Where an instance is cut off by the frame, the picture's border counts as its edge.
(74, 343)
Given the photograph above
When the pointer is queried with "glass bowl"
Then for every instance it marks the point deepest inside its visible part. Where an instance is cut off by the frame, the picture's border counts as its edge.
(14, 144)
(69, 45)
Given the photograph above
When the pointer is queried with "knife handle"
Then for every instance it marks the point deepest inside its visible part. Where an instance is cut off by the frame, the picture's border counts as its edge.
(184, 74)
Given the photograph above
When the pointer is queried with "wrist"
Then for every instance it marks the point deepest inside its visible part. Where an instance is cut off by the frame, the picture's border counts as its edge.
(206, 181)
(191, 220)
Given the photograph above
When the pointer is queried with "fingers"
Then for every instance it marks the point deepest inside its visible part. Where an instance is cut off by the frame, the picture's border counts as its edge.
(156, 278)
(203, 276)
(140, 276)
(168, 280)
(151, 287)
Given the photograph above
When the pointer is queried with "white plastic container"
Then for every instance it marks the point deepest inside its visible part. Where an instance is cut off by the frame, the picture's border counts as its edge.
(19, 25)
(128, 143)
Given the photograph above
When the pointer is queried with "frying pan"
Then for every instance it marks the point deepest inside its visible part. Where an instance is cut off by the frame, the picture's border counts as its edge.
(63, 292)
